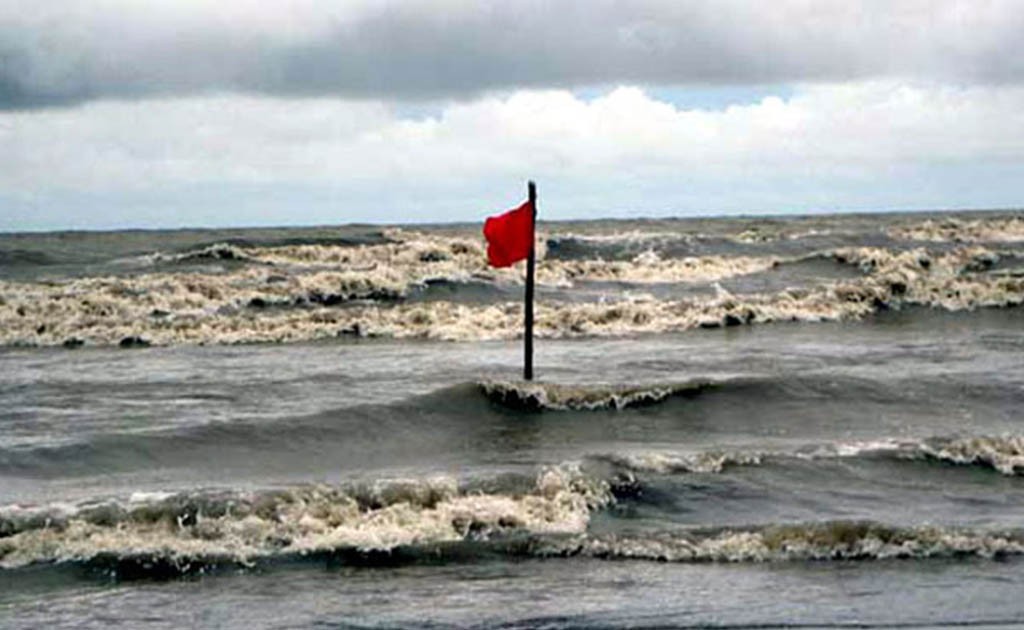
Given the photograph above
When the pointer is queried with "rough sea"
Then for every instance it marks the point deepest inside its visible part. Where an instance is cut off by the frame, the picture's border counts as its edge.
(743, 422)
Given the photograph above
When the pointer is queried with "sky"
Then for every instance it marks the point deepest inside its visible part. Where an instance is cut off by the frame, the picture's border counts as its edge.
(184, 113)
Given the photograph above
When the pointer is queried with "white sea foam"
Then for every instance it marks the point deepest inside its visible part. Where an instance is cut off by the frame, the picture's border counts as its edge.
(554, 511)
(282, 302)
(837, 540)
(557, 397)
(1003, 453)
(243, 528)
(991, 230)
(660, 462)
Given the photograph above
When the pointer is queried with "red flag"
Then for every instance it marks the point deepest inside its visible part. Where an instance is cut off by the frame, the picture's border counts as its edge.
(509, 236)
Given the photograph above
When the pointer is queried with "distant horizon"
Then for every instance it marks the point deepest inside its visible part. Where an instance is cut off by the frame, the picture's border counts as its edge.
(783, 215)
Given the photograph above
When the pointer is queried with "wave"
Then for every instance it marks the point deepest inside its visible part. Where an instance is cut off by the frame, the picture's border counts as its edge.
(624, 244)
(990, 230)
(437, 521)
(183, 530)
(1003, 454)
(330, 433)
(365, 236)
(458, 257)
(618, 245)
(650, 268)
(545, 515)
(26, 257)
(249, 247)
(275, 302)
(531, 396)
(674, 463)
(213, 251)
(828, 541)
(488, 403)
(333, 434)
(643, 237)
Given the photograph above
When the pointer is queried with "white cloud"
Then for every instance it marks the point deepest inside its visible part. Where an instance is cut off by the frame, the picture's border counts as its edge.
(622, 149)
(245, 139)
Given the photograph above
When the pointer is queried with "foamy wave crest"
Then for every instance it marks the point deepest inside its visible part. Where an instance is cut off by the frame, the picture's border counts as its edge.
(189, 530)
(671, 463)
(293, 293)
(861, 448)
(216, 251)
(644, 238)
(410, 253)
(273, 303)
(992, 230)
(650, 268)
(1004, 454)
(532, 396)
(836, 540)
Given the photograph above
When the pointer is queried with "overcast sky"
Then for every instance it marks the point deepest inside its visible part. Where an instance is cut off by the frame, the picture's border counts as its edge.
(169, 113)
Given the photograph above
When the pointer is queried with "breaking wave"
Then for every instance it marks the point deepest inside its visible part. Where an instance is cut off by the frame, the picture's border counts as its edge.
(546, 515)
(1004, 454)
(835, 540)
(956, 230)
(214, 251)
(674, 463)
(314, 291)
(196, 529)
(531, 396)
(183, 534)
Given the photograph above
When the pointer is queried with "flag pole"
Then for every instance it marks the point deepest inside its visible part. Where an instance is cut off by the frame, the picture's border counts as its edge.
(528, 315)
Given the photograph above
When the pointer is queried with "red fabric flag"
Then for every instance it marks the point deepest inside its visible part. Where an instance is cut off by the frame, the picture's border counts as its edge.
(509, 236)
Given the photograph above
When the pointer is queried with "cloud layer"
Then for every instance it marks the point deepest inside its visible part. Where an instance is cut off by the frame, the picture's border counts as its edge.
(228, 159)
(63, 53)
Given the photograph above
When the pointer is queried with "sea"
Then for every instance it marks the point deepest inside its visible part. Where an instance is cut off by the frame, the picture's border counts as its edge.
(798, 422)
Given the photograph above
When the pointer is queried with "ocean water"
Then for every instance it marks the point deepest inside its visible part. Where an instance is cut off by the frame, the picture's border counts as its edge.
(801, 422)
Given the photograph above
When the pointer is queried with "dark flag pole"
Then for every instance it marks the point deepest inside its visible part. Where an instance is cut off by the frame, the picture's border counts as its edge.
(530, 263)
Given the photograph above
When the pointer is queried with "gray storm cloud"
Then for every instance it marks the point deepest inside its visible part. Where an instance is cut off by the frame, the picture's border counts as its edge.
(65, 53)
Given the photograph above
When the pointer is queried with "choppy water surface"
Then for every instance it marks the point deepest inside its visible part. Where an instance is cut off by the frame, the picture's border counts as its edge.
(803, 422)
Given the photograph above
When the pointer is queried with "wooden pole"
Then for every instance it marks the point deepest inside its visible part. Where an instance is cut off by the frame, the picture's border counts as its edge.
(528, 316)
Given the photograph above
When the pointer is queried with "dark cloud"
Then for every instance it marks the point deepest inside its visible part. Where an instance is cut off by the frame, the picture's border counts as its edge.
(452, 49)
